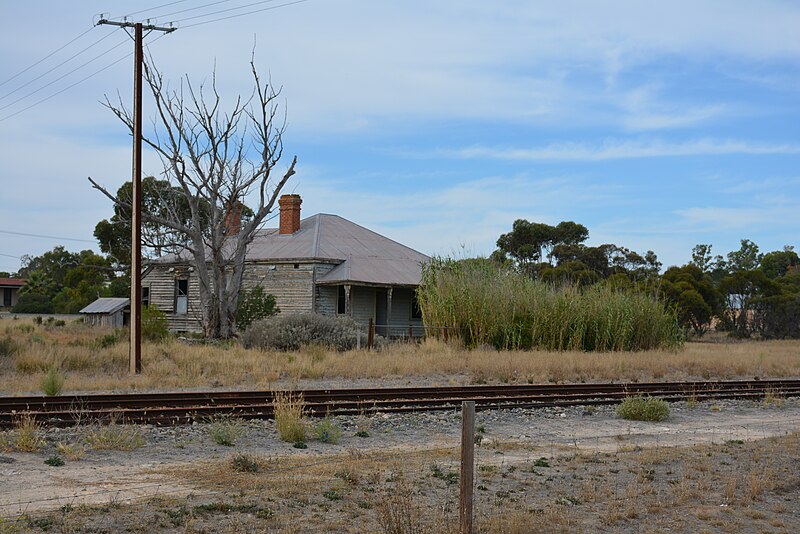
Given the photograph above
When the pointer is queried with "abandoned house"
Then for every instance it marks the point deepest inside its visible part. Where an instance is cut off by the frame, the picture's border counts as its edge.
(321, 264)
(10, 288)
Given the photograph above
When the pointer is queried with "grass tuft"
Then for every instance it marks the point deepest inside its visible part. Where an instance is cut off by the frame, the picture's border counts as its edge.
(28, 435)
(115, 437)
(643, 409)
(244, 463)
(289, 411)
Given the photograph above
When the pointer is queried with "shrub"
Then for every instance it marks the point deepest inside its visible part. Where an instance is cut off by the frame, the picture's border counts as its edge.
(225, 431)
(8, 347)
(54, 461)
(244, 463)
(290, 332)
(289, 412)
(53, 382)
(154, 324)
(111, 339)
(488, 305)
(643, 409)
(327, 431)
(34, 303)
(254, 305)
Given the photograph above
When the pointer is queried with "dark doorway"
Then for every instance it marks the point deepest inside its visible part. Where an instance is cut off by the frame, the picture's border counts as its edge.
(381, 318)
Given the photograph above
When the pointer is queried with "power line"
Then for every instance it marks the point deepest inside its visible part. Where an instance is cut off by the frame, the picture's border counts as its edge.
(44, 237)
(235, 9)
(62, 47)
(95, 73)
(151, 9)
(45, 86)
(10, 256)
(190, 9)
(57, 66)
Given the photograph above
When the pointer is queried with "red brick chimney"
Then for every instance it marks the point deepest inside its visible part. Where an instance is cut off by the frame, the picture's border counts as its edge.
(290, 213)
(233, 219)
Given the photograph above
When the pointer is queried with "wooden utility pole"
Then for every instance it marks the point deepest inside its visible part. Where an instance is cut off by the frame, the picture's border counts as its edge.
(467, 477)
(136, 181)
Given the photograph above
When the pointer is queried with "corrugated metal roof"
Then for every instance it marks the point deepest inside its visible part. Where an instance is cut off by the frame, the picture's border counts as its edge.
(365, 256)
(12, 282)
(106, 305)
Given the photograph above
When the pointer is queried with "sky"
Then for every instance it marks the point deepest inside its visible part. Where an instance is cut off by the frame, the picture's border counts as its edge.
(657, 125)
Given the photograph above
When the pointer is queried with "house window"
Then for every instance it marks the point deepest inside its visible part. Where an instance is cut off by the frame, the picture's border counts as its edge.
(296, 265)
(181, 297)
(6, 296)
(416, 312)
(145, 296)
(341, 301)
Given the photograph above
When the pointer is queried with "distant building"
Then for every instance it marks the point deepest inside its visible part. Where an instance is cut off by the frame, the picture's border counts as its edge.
(108, 311)
(321, 264)
(10, 288)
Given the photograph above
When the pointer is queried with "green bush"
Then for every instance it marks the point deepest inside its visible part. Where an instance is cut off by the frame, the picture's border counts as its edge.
(109, 340)
(643, 409)
(254, 305)
(290, 332)
(34, 303)
(488, 305)
(327, 431)
(53, 382)
(8, 347)
(154, 324)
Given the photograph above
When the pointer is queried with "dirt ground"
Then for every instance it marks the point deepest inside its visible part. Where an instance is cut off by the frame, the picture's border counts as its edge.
(729, 466)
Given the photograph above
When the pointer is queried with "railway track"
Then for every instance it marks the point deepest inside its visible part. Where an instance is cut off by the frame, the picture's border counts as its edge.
(185, 407)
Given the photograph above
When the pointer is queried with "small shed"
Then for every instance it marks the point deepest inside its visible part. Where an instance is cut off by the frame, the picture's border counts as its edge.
(108, 311)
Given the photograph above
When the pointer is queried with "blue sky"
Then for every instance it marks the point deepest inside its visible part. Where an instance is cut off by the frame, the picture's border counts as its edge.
(656, 125)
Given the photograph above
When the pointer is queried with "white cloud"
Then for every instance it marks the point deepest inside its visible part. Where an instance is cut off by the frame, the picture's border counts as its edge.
(619, 149)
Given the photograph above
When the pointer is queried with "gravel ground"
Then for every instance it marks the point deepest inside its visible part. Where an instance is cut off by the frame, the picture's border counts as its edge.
(510, 437)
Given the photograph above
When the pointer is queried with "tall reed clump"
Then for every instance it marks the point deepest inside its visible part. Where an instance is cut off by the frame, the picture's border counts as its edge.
(488, 305)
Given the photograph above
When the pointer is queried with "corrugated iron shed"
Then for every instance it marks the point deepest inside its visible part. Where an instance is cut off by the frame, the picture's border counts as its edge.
(106, 305)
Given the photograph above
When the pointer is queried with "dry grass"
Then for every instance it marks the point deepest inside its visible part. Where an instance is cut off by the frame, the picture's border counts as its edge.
(28, 436)
(88, 366)
(290, 417)
(115, 437)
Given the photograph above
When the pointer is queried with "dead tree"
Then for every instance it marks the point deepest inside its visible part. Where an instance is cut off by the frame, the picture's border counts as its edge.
(217, 160)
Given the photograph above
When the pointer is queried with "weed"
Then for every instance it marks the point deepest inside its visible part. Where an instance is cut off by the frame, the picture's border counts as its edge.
(225, 431)
(116, 437)
(643, 409)
(332, 495)
(244, 463)
(541, 462)
(28, 438)
(299, 445)
(289, 411)
(450, 477)
(773, 397)
(362, 434)
(53, 382)
(327, 431)
(71, 451)
(55, 461)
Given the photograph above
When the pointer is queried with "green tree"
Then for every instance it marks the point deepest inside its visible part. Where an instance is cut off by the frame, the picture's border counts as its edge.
(746, 258)
(529, 244)
(693, 295)
(776, 264)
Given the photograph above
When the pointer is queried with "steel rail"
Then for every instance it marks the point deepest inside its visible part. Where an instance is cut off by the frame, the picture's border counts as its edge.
(184, 407)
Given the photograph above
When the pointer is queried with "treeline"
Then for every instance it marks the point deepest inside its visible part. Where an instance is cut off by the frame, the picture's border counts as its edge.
(60, 281)
(745, 292)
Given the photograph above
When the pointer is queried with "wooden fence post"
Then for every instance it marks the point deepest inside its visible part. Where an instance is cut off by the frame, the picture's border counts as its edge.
(467, 466)
(370, 334)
